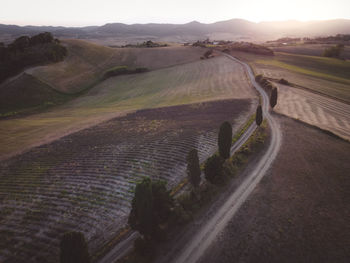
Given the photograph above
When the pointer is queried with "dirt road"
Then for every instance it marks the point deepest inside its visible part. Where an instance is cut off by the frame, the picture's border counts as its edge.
(201, 241)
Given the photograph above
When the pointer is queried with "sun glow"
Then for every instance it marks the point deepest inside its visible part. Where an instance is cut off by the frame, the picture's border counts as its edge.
(92, 12)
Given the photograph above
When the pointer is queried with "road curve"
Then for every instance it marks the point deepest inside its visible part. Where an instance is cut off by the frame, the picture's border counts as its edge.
(195, 248)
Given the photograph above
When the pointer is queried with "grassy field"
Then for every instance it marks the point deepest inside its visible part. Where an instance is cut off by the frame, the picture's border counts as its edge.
(87, 62)
(204, 80)
(310, 49)
(326, 75)
(321, 67)
(27, 94)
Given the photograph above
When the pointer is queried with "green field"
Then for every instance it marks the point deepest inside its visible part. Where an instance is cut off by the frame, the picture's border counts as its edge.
(326, 68)
(212, 79)
(329, 76)
(87, 62)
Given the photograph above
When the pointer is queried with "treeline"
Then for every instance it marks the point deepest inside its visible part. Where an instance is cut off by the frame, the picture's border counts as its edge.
(29, 51)
(333, 51)
(250, 48)
(122, 70)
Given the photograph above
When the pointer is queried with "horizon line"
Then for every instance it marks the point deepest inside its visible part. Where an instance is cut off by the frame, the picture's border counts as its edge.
(20, 24)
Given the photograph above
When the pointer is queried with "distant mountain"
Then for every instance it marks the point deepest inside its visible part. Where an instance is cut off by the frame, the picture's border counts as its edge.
(234, 29)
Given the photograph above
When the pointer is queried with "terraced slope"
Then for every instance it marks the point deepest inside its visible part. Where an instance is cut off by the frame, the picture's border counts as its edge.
(85, 181)
(205, 80)
(86, 63)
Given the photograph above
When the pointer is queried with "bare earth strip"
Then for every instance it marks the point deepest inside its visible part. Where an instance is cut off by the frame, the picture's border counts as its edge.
(315, 109)
(85, 181)
(217, 78)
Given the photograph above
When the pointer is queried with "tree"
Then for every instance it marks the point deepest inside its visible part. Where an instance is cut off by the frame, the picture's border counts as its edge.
(225, 140)
(193, 168)
(258, 115)
(141, 216)
(213, 169)
(74, 248)
(162, 202)
(151, 207)
(273, 97)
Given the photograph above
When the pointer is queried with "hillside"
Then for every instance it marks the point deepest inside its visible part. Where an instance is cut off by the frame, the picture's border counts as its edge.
(87, 62)
(233, 29)
(203, 80)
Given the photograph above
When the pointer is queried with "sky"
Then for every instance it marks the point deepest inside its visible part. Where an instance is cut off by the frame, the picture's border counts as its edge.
(99, 12)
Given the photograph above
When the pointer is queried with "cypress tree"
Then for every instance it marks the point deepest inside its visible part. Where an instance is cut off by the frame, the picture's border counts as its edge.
(273, 97)
(225, 140)
(259, 115)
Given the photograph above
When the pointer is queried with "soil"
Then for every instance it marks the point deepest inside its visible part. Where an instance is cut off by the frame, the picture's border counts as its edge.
(314, 109)
(300, 210)
(85, 181)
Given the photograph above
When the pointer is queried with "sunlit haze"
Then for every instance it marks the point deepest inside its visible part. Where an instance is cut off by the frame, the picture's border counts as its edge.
(92, 12)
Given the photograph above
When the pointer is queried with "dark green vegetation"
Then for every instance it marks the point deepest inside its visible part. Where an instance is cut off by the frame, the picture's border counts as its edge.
(258, 115)
(213, 169)
(323, 67)
(248, 47)
(29, 51)
(151, 207)
(188, 203)
(193, 168)
(264, 82)
(225, 139)
(334, 52)
(146, 44)
(74, 248)
(122, 70)
(151, 210)
(28, 94)
(273, 97)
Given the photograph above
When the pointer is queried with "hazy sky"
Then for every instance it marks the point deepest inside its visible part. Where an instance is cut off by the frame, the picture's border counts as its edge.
(98, 12)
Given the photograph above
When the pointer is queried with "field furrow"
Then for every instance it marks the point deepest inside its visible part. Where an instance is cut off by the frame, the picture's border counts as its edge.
(85, 181)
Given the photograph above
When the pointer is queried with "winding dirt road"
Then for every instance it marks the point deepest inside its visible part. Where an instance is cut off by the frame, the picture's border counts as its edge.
(196, 247)
(193, 250)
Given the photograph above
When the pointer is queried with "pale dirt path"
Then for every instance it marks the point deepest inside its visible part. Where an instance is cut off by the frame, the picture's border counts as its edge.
(194, 249)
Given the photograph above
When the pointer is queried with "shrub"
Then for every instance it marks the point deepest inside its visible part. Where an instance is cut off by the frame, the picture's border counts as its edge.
(213, 169)
(333, 51)
(208, 53)
(74, 248)
(225, 139)
(283, 81)
(193, 168)
(145, 249)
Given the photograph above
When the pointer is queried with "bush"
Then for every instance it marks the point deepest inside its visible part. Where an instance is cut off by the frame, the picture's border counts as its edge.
(213, 169)
(225, 139)
(74, 248)
(283, 81)
(193, 168)
(333, 51)
(145, 249)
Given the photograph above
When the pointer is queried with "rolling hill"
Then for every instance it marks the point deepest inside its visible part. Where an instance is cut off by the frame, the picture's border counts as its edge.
(233, 29)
